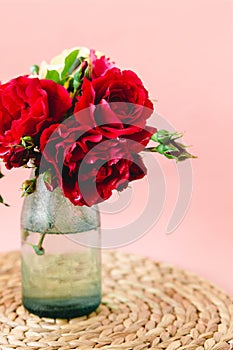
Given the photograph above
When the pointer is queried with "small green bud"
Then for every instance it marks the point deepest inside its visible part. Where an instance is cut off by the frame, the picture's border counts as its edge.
(161, 136)
(164, 136)
(28, 187)
(168, 145)
(34, 69)
(160, 149)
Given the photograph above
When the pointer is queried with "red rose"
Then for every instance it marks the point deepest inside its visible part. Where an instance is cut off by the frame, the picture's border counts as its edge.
(99, 65)
(82, 160)
(114, 107)
(66, 144)
(118, 104)
(96, 178)
(27, 106)
(14, 157)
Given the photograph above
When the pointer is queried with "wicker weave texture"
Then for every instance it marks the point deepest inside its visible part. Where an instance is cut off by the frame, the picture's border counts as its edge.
(146, 305)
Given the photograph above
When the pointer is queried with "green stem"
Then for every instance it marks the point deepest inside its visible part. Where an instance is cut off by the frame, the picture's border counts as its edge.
(41, 241)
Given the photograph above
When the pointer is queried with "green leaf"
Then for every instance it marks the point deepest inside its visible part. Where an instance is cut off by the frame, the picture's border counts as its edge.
(27, 142)
(76, 84)
(37, 250)
(77, 80)
(75, 65)
(53, 75)
(2, 202)
(69, 61)
(1, 175)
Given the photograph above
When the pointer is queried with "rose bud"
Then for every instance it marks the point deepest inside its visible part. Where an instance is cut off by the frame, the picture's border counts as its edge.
(28, 187)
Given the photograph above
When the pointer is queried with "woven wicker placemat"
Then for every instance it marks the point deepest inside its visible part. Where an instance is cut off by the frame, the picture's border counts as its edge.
(146, 305)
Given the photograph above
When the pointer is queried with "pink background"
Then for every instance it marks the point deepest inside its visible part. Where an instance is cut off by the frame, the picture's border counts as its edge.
(183, 50)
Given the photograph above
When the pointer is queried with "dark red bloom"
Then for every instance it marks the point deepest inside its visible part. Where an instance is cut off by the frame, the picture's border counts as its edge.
(86, 165)
(27, 106)
(99, 185)
(101, 172)
(87, 145)
(96, 150)
(99, 66)
(117, 103)
(67, 144)
(14, 157)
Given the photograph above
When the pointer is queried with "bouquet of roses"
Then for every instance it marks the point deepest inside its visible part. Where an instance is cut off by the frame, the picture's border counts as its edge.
(81, 122)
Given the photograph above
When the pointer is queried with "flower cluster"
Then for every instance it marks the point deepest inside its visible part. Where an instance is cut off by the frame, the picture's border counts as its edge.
(80, 121)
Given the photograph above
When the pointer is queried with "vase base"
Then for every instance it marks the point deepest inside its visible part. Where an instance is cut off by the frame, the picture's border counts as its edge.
(62, 308)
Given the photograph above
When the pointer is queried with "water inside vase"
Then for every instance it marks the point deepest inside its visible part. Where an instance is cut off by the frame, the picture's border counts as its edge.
(65, 281)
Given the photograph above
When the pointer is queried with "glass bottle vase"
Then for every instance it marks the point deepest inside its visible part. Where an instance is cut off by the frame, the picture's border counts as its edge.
(60, 255)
